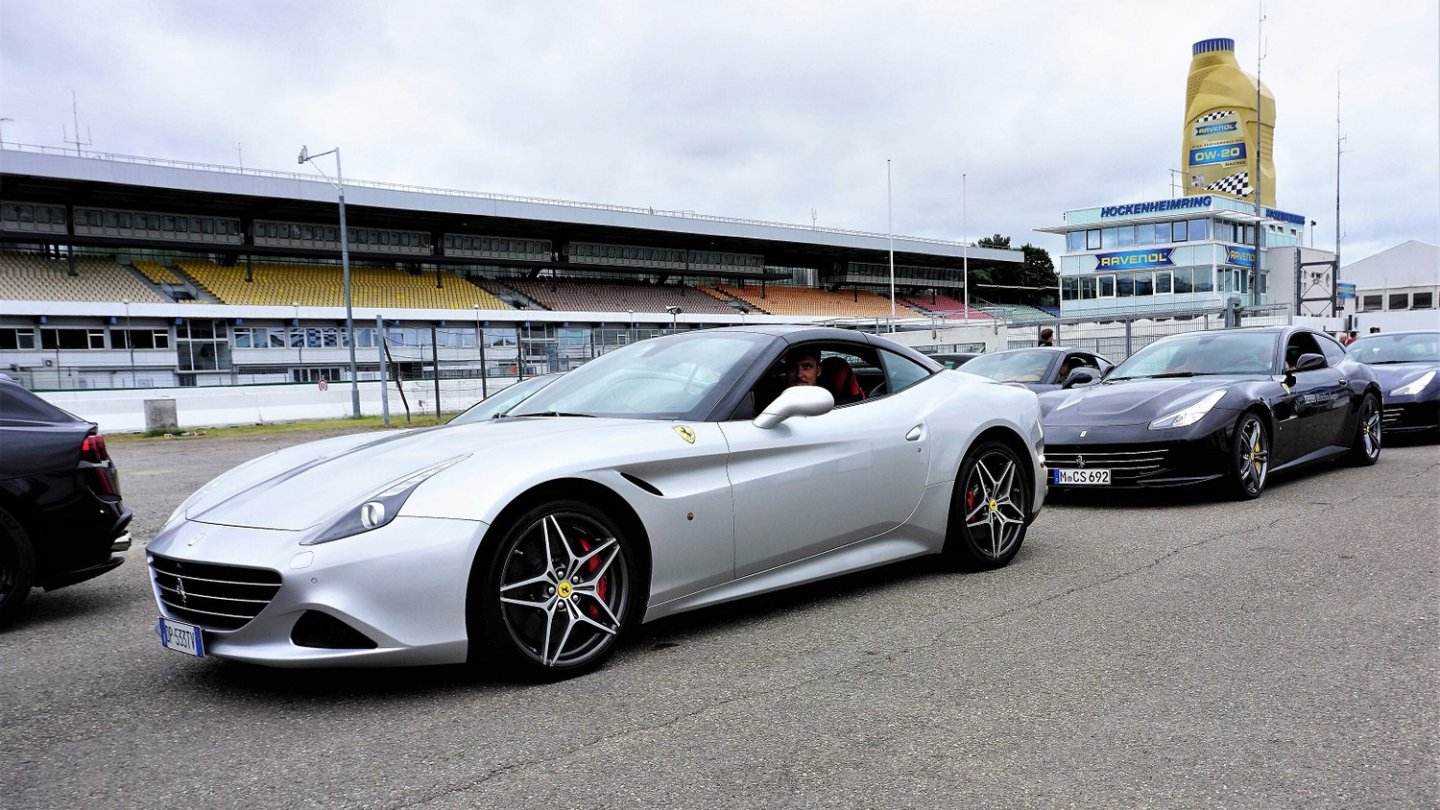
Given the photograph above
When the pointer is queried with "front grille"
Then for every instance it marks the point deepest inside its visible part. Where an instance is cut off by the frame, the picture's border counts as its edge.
(1126, 462)
(216, 597)
(1410, 415)
(1392, 416)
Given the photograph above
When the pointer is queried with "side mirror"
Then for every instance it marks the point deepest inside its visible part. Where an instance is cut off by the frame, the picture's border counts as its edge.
(1310, 362)
(797, 400)
(1079, 376)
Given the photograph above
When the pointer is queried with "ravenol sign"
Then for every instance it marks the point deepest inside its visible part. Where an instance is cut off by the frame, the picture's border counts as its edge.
(1344, 289)
(1215, 129)
(1134, 259)
(1240, 256)
(1224, 153)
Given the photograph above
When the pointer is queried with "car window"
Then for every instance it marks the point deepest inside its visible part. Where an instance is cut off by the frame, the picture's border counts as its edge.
(901, 372)
(1300, 343)
(1231, 352)
(1333, 351)
(1012, 366)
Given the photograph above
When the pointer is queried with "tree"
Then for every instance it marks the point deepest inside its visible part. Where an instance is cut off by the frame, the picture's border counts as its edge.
(1035, 270)
(996, 241)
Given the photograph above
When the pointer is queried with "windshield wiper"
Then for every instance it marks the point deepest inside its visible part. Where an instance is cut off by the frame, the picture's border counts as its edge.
(1163, 375)
(550, 413)
(1393, 362)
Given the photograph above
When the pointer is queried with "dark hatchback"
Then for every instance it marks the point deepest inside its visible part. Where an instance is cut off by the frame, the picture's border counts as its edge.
(61, 516)
(1229, 406)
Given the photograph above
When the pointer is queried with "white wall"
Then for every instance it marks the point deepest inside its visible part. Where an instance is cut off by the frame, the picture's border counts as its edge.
(123, 410)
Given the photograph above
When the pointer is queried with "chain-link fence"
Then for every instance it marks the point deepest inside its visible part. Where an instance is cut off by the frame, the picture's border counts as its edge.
(1119, 336)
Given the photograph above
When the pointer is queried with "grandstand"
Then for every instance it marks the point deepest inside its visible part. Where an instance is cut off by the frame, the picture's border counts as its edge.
(776, 299)
(281, 284)
(122, 271)
(35, 277)
(608, 296)
(1017, 313)
(943, 306)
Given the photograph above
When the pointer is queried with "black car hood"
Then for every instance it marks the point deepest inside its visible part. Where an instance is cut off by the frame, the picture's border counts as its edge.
(1394, 375)
(1127, 402)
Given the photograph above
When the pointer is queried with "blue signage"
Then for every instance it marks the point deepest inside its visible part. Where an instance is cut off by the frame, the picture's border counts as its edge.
(1206, 155)
(1155, 207)
(1134, 259)
(1284, 216)
(1240, 256)
(1344, 289)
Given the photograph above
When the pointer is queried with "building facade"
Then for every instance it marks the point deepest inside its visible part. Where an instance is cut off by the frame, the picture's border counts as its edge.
(1178, 254)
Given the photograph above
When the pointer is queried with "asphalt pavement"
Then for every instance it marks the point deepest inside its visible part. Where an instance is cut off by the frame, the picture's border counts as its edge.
(1146, 651)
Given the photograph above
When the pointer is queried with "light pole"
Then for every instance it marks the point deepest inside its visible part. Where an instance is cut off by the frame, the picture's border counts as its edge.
(299, 341)
(339, 184)
(130, 343)
(674, 311)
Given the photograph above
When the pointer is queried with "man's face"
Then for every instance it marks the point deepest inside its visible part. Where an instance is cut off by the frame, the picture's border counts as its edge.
(803, 370)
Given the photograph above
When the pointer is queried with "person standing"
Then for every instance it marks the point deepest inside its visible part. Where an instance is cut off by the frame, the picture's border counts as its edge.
(1047, 337)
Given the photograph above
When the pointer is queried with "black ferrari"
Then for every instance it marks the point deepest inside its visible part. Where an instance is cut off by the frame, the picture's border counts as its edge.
(1230, 406)
(1408, 367)
(61, 516)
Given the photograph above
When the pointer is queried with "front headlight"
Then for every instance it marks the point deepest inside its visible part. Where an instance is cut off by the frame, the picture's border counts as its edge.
(380, 508)
(1190, 414)
(1415, 386)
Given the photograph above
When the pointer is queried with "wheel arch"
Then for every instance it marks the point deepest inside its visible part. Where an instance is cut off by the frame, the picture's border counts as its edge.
(578, 489)
(1006, 435)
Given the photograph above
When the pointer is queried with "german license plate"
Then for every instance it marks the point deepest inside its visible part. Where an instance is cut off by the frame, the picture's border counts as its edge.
(1080, 478)
(181, 637)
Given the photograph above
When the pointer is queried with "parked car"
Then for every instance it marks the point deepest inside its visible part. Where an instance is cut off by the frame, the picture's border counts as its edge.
(953, 359)
(668, 475)
(1407, 364)
(61, 515)
(1229, 405)
(1041, 368)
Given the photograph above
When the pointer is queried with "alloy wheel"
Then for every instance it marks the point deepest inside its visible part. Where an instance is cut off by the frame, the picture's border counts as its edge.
(995, 503)
(564, 589)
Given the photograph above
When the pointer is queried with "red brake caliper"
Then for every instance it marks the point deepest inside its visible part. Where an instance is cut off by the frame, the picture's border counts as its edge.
(601, 587)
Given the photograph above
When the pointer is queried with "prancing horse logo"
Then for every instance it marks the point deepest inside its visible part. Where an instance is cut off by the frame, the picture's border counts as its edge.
(685, 432)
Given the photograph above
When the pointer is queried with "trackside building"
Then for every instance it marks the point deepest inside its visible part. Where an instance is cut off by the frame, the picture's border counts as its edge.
(1178, 254)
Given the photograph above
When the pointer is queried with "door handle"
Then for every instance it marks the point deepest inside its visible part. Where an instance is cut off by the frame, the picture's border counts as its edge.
(1343, 381)
(915, 434)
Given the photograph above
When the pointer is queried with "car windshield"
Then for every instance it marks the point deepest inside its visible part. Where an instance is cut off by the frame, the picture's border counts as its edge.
(1023, 365)
(675, 377)
(1202, 353)
(1415, 347)
(503, 400)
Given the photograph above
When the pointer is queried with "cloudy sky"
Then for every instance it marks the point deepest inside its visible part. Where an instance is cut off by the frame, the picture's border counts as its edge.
(781, 111)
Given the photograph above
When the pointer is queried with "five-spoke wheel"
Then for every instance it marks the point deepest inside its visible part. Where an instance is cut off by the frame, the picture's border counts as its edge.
(1365, 448)
(1250, 458)
(556, 592)
(17, 567)
(989, 509)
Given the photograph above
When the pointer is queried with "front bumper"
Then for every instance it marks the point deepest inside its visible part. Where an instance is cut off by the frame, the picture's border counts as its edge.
(401, 587)
(1138, 457)
(1409, 415)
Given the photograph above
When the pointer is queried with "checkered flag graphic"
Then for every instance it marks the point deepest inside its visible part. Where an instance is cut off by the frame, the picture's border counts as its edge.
(1214, 116)
(1237, 184)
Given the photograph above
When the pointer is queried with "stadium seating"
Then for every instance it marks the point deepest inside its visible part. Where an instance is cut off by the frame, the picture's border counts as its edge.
(157, 273)
(810, 302)
(614, 296)
(323, 286)
(945, 307)
(32, 277)
(1017, 313)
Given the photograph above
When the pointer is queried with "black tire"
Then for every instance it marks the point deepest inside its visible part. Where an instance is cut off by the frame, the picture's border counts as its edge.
(553, 595)
(989, 508)
(17, 567)
(1365, 447)
(1249, 458)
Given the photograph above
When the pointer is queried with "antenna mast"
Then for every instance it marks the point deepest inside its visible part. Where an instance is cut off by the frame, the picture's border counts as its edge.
(75, 113)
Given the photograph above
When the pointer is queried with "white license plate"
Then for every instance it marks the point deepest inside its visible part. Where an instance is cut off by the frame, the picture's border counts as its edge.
(181, 637)
(1080, 478)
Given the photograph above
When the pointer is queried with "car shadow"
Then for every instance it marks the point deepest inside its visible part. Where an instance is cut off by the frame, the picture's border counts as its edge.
(243, 683)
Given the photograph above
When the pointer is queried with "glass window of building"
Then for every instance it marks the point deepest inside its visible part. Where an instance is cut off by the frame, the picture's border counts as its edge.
(1164, 283)
(1125, 286)
(1107, 286)
(1422, 300)
(1399, 301)
(1092, 239)
(1144, 285)
(1179, 231)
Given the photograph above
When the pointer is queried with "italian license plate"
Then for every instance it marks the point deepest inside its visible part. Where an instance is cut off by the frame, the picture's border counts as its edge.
(1080, 478)
(181, 637)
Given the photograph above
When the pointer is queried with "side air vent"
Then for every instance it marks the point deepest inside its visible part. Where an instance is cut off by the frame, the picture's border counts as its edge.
(643, 484)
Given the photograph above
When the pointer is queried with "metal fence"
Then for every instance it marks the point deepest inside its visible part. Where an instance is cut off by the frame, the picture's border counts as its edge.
(1119, 336)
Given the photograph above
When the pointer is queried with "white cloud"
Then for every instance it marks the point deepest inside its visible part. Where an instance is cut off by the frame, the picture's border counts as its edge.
(747, 109)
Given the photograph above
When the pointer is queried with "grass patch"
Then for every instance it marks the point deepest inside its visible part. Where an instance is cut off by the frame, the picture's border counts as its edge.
(347, 423)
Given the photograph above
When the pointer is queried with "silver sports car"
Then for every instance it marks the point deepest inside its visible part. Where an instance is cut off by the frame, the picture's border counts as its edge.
(668, 475)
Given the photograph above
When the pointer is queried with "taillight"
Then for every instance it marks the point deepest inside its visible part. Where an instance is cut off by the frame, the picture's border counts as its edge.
(94, 449)
(102, 476)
